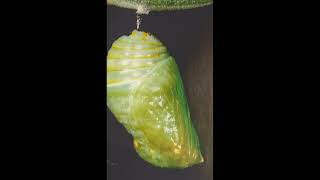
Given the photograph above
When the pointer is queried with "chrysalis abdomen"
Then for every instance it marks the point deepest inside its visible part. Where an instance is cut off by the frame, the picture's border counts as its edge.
(146, 94)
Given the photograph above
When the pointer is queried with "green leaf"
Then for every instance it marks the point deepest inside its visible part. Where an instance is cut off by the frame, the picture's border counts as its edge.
(144, 6)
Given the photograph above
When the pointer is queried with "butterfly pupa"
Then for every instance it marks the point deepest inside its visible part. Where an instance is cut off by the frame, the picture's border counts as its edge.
(145, 93)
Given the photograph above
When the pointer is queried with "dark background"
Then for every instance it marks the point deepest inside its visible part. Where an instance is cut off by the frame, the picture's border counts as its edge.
(189, 37)
(53, 96)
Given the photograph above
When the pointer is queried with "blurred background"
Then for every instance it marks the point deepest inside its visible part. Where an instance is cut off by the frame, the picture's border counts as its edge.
(188, 35)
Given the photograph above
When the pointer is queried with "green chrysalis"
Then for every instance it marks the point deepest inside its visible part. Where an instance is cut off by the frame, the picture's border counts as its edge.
(145, 93)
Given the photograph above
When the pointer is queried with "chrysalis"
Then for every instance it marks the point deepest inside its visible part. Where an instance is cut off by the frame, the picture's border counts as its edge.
(145, 93)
